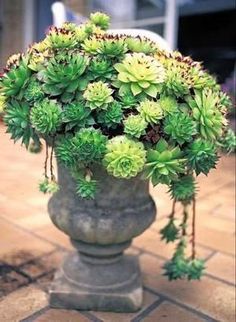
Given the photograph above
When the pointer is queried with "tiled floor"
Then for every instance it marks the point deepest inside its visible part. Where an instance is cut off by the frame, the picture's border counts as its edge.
(31, 248)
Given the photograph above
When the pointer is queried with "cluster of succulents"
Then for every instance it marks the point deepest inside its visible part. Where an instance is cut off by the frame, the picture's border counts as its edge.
(122, 103)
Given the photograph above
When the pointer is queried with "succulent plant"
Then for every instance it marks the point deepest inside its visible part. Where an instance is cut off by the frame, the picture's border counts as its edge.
(47, 186)
(228, 141)
(17, 121)
(140, 73)
(201, 156)
(33, 91)
(101, 69)
(86, 188)
(100, 19)
(151, 111)
(175, 82)
(139, 45)
(128, 101)
(89, 145)
(180, 127)
(124, 158)
(46, 116)
(112, 116)
(164, 164)
(183, 189)
(76, 114)
(112, 46)
(170, 232)
(135, 125)
(64, 152)
(62, 76)
(98, 95)
(168, 104)
(14, 80)
(209, 119)
(59, 38)
(91, 45)
(2, 103)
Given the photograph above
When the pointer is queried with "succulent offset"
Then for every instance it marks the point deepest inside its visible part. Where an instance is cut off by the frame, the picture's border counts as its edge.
(124, 104)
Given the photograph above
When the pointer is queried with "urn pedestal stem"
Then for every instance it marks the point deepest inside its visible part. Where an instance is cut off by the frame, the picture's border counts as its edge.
(98, 275)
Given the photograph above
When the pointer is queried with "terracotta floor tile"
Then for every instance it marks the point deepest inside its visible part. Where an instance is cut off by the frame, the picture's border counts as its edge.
(53, 234)
(18, 245)
(43, 264)
(125, 317)
(208, 296)
(215, 239)
(11, 281)
(222, 266)
(53, 315)
(22, 303)
(168, 312)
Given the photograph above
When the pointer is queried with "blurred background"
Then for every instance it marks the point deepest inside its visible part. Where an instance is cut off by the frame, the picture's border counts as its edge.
(204, 29)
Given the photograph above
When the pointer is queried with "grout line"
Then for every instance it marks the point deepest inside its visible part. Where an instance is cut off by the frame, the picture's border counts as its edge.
(35, 315)
(219, 279)
(182, 305)
(149, 309)
(213, 253)
(215, 250)
(90, 316)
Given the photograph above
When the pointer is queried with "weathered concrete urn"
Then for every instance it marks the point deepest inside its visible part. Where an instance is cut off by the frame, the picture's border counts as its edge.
(99, 276)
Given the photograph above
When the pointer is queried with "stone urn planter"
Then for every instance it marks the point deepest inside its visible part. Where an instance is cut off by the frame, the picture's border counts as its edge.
(98, 275)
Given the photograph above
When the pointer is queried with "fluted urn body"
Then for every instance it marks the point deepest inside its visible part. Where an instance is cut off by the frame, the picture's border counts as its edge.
(99, 276)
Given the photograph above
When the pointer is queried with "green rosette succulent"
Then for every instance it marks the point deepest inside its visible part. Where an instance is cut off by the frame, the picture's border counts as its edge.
(101, 69)
(18, 122)
(184, 189)
(15, 79)
(168, 104)
(112, 116)
(228, 141)
(86, 188)
(98, 95)
(164, 164)
(151, 111)
(47, 186)
(180, 127)
(176, 80)
(100, 19)
(128, 101)
(62, 76)
(60, 38)
(124, 158)
(140, 73)
(135, 125)
(76, 114)
(89, 145)
(201, 156)
(210, 121)
(139, 45)
(112, 46)
(33, 91)
(91, 45)
(46, 116)
(64, 152)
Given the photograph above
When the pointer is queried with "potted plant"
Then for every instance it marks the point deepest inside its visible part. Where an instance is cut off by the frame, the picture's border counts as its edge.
(116, 111)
